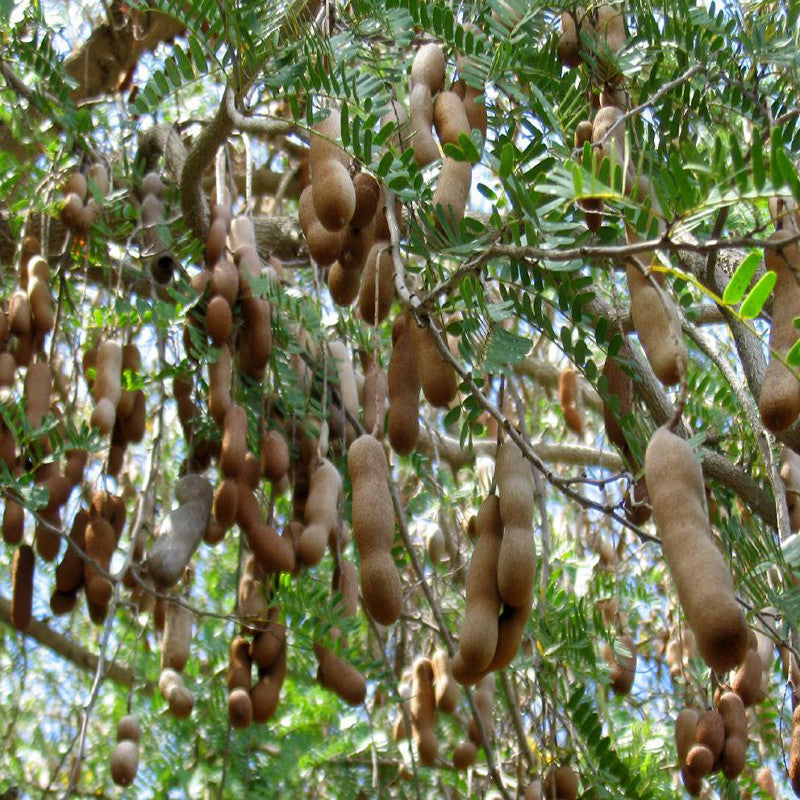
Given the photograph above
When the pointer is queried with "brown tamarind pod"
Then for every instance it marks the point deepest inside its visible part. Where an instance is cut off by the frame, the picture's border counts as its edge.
(568, 41)
(479, 630)
(734, 751)
(747, 679)
(46, 539)
(268, 644)
(339, 676)
(403, 385)
(215, 242)
(240, 708)
(423, 711)
(437, 376)
(621, 385)
(452, 189)
(510, 630)
(356, 244)
(69, 573)
(567, 383)
(271, 551)
(174, 691)
(265, 695)
(483, 699)
(794, 753)
(464, 755)
(100, 544)
(225, 281)
(378, 276)
(219, 384)
(449, 117)
(225, 503)
(175, 646)
(19, 314)
(426, 151)
(321, 512)
(22, 586)
(274, 456)
(234, 441)
(41, 302)
(444, 685)
(475, 109)
(132, 362)
(324, 246)
(368, 193)
(656, 321)
(239, 665)
(623, 666)
(13, 522)
(38, 381)
(343, 284)
(675, 484)
(345, 581)
(8, 367)
(219, 320)
(257, 328)
(428, 67)
(376, 390)
(373, 529)
(779, 399)
(107, 386)
(516, 567)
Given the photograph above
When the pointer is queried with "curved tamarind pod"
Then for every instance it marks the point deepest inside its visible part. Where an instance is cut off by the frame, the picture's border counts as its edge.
(701, 576)
(779, 399)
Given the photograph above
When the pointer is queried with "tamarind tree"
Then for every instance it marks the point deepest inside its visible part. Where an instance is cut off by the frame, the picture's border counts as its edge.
(333, 336)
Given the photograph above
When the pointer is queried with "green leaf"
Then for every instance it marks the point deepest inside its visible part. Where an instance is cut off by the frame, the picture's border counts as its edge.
(793, 356)
(506, 160)
(754, 302)
(757, 161)
(740, 280)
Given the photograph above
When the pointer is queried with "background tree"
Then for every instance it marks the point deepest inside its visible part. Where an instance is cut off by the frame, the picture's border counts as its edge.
(585, 232)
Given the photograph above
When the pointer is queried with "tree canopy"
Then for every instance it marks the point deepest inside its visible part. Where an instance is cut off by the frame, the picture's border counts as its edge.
(399, 398)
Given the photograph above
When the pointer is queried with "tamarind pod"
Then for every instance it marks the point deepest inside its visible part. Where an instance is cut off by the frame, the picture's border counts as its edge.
(124, 762)
(324, 246)
(46, 534)
(249, 263)
(321, 512)
(436, 375)
(779, 399)
(794, 753)
(100, 544)
(561, 782)
(765, 782)
(225, 503)
(273, 552)
(22, 583)
(38, 380)
(219, 384)
(464, 755)
(251, 471)
(403, 386)
(790, 477)
(26, 346)
(219, 320)
(91, 213)
(252, 607)
(240, 708)
(567, 382)
(399, 729)
(256, 314)
(174, 691)
(452, 189)
(637, 506)
(396, 114)
(133, 426)
(610, 26)
(107, 387)
(98, 175)
(510, 630)
(621, 385)
(623, 667)
(378, 272)
(450, 117)
(685, 729)
(345, 580)
(339, 676)
(479, 630)
(483, 699)
(346, 375)
(152, 184)
(368, 194)
(333, 194)
(533, 791)
(215, 242)
(268, 644)
(747, 679)
(568, 42)
(435, 545)
(274, 456)
(69, 573)
(306, 214)
(710, 732)
(343, 284)
(62, 603)
(322, 142)
(376, 390)
(74, 216)
(132, 362)
(225, 280)
(373, 529)
(7, 368)
(41, 303)
(13, 522)
(516, 568)
(732, 711)
(444, 685)
(19, 314)
(699, 762)
(76, 184)
(475, 109)
(428, 67)
(266, 693)
(234, 441)
(423, 711)
(675, 484)
(766, 651)
(8, 447)
(181, 531)
(239, 665)
(177, 639)
(656, 321)
(612, 148)
(424, 146)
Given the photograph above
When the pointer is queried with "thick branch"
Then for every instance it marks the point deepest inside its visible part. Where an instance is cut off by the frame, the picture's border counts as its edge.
(69, 650)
